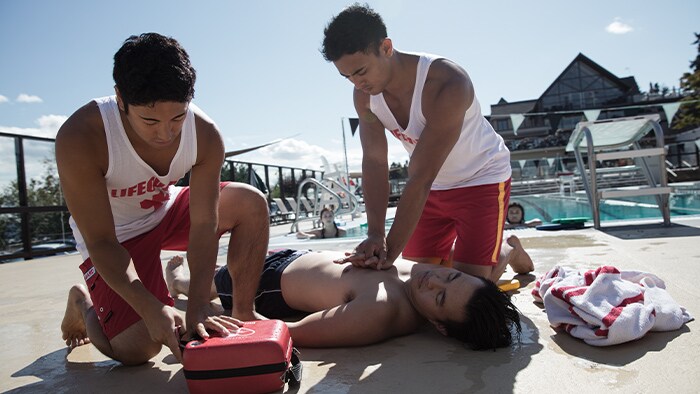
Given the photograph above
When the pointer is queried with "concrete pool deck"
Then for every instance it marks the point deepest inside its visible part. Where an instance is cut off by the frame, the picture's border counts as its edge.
(35, 359)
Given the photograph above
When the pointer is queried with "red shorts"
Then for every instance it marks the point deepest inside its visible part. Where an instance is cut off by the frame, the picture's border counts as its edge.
(474, 216)
(114, 313)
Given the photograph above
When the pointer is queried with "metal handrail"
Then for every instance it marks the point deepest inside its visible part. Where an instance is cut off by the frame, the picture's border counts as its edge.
(591, 186)
(352, 201)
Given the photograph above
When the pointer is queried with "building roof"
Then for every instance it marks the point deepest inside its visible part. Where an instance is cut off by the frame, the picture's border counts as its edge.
(518, 107)
(632, 83)
(627, 86)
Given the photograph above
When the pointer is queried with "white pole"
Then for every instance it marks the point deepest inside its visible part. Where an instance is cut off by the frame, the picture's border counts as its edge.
(345, 150)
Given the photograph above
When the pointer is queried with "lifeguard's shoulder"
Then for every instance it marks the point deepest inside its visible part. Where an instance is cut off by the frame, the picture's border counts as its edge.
(447, 82)
(361, 101)
(203, 122)
(444, 70)
(210, 144)
(83, 130)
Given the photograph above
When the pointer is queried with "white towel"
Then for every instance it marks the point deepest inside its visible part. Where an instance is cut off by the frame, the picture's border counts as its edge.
(606, 306)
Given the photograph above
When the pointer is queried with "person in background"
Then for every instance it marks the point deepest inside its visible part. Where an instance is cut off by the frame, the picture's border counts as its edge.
(329, 228)
(516, 217)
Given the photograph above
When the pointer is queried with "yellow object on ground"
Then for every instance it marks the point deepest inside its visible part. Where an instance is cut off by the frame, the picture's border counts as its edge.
(510, 285)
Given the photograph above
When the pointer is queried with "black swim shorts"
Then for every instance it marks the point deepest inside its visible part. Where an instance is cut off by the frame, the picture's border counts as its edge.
(268, 300)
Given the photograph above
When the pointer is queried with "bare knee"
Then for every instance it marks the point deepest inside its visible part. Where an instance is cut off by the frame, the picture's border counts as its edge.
(134, 346)
(426, 260)
(239, 202)
(484, 271)
(138, 356)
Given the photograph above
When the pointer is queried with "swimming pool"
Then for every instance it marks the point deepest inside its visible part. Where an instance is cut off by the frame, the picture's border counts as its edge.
(356, 231)
(552, 206)
(545, 207)
(361, 231)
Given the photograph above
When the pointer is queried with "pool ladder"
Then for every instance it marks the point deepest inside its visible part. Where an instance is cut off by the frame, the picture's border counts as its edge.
(632, 150)
(327, 192)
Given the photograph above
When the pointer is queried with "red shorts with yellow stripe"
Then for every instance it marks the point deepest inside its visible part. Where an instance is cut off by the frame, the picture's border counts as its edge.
(470, 218)
(172, 233)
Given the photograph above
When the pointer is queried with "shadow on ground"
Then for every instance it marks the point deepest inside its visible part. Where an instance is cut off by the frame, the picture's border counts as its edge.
(59, 375)
(422, 364)
(618, 355)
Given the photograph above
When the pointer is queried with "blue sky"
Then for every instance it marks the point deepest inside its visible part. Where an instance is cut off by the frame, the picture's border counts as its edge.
(261, 76)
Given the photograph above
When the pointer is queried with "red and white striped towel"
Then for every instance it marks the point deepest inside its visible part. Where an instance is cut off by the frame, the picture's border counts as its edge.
(606, 306)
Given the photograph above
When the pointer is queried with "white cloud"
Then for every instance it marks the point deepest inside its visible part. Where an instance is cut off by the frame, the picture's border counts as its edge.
(300, 154)
(289, 153)
(3, 99)
(618, 27)
(27, 98)
(48, 126)
(51, 123)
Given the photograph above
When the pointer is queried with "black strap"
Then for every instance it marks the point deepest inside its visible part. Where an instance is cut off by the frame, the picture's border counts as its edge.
(234, 372)
(293, 375)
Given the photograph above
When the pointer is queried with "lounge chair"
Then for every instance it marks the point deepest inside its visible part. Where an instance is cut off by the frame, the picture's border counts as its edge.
(286, 213)
(307, 206)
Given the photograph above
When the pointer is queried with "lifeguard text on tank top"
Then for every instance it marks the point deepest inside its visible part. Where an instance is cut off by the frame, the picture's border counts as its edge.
(138, 196)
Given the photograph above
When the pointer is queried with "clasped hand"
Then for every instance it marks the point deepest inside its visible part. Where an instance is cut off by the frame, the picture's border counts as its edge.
(370, 253)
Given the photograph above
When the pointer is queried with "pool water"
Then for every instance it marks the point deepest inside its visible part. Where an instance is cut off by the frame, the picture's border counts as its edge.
(548, 207)
(361, 231)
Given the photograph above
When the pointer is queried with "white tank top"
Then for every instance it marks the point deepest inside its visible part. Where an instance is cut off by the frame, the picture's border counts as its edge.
(139, 197)
(478, 158)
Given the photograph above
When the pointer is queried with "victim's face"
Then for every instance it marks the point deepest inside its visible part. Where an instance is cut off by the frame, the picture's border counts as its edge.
(158, 125)
(440, 294)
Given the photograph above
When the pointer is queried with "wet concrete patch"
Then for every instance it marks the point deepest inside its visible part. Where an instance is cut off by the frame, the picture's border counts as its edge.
(559, 242)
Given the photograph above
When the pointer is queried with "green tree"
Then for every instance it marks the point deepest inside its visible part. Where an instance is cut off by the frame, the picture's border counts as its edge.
(239, 173)
(398, 171)
(290, 186)
(689, 112)
(42, 191)
(9, 223)
(275, 193)
(46, 191)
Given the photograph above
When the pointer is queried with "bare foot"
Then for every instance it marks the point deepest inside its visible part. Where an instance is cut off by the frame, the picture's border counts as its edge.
(517, 257)
(173, 275)
(73, 324)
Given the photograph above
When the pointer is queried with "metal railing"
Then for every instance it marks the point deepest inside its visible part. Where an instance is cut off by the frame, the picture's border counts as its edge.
(33, 213)
(325, 191)
(24, 200)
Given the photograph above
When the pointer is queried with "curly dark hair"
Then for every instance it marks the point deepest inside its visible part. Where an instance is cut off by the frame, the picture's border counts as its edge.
(489, 317)
(358, 28)
(151, 67)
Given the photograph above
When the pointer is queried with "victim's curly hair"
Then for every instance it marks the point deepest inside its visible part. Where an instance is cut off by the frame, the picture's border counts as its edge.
(489, 317)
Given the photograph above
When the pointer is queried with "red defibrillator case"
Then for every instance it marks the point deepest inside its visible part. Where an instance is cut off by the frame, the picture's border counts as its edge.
(259, 358)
